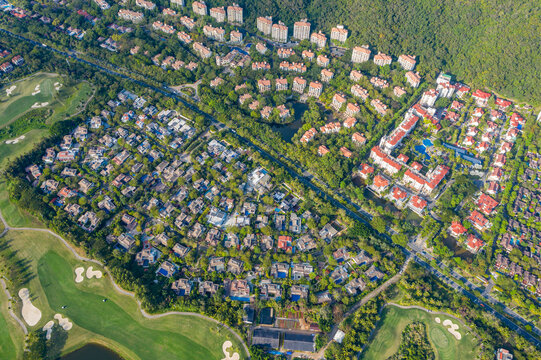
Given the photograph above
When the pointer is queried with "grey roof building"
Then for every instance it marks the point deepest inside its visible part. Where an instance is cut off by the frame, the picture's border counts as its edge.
(266, 337)
(299, 341)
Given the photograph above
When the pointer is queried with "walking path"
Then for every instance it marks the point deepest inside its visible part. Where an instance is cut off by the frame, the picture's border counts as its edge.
(11, 313)
(115, 285)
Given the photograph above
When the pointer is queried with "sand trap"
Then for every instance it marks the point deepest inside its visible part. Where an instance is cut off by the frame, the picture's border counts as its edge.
(49, 328)
(57, 86)
(438, 320)
(452, 328)
(39, 105)
(10, 90)
(15, 141)
(63, 322)
(37, 90)
(79, 274)
(31, 314)
(91, 273)
(226, 346)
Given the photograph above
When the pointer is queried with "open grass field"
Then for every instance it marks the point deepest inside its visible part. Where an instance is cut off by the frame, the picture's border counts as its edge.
(64, 103)
(14, 216)
(116, 323)
(10, 335)
(394, 320)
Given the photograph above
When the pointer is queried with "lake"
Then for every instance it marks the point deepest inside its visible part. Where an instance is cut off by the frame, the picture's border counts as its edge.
(92, 352)
(287, 131)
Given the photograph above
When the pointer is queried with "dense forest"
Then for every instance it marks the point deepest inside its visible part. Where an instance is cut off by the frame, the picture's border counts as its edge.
(492, 43)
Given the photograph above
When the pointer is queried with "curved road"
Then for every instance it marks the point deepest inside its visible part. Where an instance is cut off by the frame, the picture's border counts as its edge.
(115, 285)
(294, 173)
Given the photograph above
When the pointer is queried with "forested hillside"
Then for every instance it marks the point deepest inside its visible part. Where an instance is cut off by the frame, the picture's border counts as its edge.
(492, 43)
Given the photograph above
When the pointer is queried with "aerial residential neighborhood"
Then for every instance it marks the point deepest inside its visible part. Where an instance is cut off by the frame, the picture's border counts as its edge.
(308, 185)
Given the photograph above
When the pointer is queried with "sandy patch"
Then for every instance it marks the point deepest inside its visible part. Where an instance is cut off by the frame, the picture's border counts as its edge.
(10, 90)
(39, 105)
(79, 274)
(37, 90)
(438, 320)
(15, 141)
(452, 328)
(49, 328)
(226, 346)
(31, 314)
(63, 322)
(57, 86)
(91, 273)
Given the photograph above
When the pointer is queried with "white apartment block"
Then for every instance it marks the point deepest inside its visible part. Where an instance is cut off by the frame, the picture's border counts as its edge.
(264, 24)
(319, 39)
(301, 30)
(279, 32)
(200, 8)
(360, 54)
(234, 14)
(218, 13)
(339, 33)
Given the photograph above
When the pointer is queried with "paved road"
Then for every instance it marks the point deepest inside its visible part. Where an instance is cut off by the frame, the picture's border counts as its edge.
(115, 285)
(295, 173)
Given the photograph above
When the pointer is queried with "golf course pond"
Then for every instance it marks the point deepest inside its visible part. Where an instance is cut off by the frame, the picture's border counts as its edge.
(92, 352)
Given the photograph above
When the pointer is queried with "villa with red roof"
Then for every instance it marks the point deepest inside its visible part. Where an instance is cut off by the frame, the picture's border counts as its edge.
(486, 204)
(456, 229)
(417, 204)
(379, 184)
(365, 171)
(479, 221)
(474, 244)
(481, 97)
(399, 196)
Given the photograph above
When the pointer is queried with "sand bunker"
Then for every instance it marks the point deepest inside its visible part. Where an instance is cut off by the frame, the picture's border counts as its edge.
(39, 105)
(57, 86)
(91, 273)
(15, 141)
(10, 90)
(79, 274)
(226, 346)
(63, 322)
(31, 314)
(452, 328)
(438, 320)
(49, 328)
(37, 90)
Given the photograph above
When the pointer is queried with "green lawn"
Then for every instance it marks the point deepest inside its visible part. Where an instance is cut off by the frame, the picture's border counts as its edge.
(9, 334)
(394, 320)
(13, 215)
(116, 323)
(21, 99)
(65, 103)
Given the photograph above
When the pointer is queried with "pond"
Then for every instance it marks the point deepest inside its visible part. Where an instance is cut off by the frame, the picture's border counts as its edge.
(92, 352)
(287, 131)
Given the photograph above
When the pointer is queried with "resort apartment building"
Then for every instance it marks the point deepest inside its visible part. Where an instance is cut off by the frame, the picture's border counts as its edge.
(234, 14)
(199, 8)
(202, 50)
(315, 89)
(319, 39)
(180, 3)
(145, 4)
(299, 84)
(360, 54)
(413, 79)
(301, 30)
(407, 62)
(339, 33)
(129, 15)
(279, 32)
(214, 33)
(235, 37)
(264, 24)
(218, 13)
(382, 59)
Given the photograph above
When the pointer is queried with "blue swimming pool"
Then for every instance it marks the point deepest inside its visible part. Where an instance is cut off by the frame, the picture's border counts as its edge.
(427, 143)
